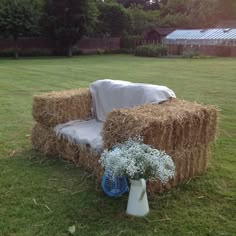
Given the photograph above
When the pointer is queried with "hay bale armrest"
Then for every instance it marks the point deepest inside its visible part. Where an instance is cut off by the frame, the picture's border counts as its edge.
(51, 109)
(183, 129)
(173, 125)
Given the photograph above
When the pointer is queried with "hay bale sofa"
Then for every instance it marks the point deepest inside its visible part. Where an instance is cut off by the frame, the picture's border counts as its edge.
(183, 129)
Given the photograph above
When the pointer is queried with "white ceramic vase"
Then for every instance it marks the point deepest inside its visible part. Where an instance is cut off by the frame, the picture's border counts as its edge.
(137, 202)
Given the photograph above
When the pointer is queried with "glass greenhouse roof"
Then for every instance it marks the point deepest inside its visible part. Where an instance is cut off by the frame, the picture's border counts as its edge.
(202, 37)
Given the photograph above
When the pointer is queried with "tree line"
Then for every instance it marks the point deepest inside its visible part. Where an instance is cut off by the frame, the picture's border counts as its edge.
(66, 21)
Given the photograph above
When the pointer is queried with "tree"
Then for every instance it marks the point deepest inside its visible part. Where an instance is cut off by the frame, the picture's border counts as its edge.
(113, 19)
(18, 18)
(227, 9)
(203, 14)
(141, 19)
(146, 4)
(172, 7)
(185, 13)
(66, 21)
(195, 13)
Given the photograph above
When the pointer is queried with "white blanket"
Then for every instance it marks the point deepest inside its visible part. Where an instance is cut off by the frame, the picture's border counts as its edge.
(108, 95)
(82, 132)
(111, 94)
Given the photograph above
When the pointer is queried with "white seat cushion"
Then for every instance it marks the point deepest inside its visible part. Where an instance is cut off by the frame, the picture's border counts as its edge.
(82, 132)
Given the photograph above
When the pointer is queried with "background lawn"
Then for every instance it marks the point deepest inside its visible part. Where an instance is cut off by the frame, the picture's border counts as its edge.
(44, 196)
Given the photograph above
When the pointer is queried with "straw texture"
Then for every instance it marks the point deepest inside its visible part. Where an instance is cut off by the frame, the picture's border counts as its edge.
(51, 109)
(188, 163)
(45, 140)
(183, 129)
(173, 125)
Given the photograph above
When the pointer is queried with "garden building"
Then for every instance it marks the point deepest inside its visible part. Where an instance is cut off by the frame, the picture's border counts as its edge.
(156, 35)
(213, 42)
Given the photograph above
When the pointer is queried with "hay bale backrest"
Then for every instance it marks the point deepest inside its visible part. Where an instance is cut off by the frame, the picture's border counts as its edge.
(51, 109)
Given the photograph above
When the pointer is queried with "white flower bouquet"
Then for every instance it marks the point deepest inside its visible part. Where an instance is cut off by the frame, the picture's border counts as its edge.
(136, 160)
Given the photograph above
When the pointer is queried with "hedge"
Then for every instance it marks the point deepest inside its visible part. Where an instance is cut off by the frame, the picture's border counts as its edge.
(151, 50)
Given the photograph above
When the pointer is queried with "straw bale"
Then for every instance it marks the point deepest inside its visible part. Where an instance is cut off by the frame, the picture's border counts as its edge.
(89, 161)
(82, 156)
(188, 163)
(173, 125)
(67, 151)
(44, 140)
(191, 161)
(55, 108)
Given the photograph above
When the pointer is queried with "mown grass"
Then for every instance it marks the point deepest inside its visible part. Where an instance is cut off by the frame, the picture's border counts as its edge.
(44, 196)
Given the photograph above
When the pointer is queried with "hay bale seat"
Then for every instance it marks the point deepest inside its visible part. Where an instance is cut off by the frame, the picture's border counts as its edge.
(183, 129)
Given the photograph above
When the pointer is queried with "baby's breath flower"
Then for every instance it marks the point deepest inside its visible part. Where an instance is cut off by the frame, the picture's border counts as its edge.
(136, 160)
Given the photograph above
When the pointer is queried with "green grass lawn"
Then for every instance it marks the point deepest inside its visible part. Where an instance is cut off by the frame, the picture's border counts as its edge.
(41, 196)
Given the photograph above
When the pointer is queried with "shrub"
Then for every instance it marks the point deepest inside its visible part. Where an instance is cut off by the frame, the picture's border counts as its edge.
(163, 50)
(35, 52)
(31, 52)
(130, 41)
(100, 51)
(151, 50)
(120, 51)
(190, 53)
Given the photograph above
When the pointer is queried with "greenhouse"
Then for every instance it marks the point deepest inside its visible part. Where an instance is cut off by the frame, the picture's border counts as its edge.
(206, 37)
